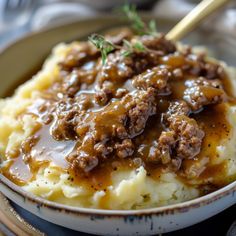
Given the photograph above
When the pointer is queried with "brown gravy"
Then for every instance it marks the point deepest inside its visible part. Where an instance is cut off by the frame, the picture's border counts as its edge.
(81, 80)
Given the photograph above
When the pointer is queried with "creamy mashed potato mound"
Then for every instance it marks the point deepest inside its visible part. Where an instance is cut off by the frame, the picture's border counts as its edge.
(128, 188)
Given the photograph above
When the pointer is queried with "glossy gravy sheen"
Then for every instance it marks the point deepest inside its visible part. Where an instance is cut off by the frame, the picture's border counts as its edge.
(44, 149)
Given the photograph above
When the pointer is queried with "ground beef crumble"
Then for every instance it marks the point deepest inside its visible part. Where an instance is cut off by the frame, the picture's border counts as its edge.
(111, 131)
(107, 108)
(181, 139)
(201, 92)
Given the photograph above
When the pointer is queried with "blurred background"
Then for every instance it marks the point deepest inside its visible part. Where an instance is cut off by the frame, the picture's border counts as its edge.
(18, 17)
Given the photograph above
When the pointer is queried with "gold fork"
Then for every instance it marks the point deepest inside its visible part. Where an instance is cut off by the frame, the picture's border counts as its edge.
(191, 20)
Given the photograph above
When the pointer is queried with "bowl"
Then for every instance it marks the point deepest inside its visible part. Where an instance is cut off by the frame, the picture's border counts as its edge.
(26, 56)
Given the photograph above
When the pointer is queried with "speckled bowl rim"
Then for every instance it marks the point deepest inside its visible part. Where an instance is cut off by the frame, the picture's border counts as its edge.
(164, 210)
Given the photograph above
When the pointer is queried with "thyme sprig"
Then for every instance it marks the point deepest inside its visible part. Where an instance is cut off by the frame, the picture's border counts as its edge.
(131, 13)
(131, 48)
(103, 45)
(106, 46)
(137, 23)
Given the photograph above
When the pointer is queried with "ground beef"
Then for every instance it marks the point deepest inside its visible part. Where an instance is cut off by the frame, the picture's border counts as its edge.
(69, 112)
(112, 129)
(124, 149)
(105, 92)
(160, 152)
(85, 163)
(115, 72)
(111, 110)
(212, 71)
(181, 140)
(179, 107)
(118, 37)
(103, 149)
(184, 63)
(198, 66)
(134, 111)
(201, 92)
(189, 136)
(71, 84)
(63, 128)
(118, 68)
(152, 104)
(140, 107)
(77, 56)
(158, 43)
(156, 78)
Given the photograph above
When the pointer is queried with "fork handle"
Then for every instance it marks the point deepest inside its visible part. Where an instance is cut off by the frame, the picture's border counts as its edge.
(193, 18)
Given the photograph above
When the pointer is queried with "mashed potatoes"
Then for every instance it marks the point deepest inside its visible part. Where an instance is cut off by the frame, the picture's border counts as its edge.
(128, 188)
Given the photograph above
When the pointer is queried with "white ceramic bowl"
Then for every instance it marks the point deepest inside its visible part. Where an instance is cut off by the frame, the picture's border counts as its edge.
(32, 50)
(132, 222)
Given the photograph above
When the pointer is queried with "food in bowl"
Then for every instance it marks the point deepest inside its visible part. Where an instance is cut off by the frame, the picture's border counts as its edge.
(148, 123)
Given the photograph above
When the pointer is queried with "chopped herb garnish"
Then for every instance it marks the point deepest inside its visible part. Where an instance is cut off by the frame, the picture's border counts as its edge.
(139, 46)
(131, 48)
(103, 45)
(138, 24)
(106, 46)
(152, 27)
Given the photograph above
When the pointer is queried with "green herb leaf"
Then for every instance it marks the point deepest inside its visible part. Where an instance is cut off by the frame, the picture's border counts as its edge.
(128, 47)
(103, 45)
(126, 53)
(131, 48)
(139, 46)
(106, 47)
(152, 27)
(137, 23)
